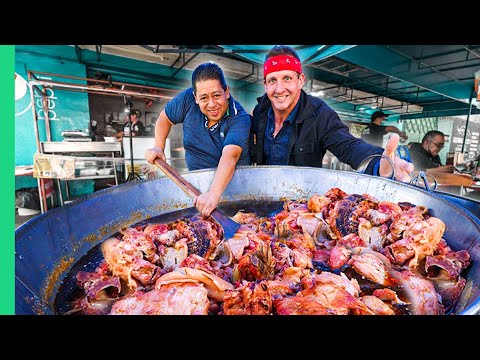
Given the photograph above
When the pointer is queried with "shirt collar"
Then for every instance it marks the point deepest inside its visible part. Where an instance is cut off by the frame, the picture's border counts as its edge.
(227, 113)
(290, 117)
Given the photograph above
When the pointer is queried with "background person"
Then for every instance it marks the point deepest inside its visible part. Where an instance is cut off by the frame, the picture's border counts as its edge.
(374, 132)
(215, 131)
(138, 129)
(425, 154)
(291, 127)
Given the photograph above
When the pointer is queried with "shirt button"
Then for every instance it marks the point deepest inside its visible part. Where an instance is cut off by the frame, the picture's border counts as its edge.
(301, 149)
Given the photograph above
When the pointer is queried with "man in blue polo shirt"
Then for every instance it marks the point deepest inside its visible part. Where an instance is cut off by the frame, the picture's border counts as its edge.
(215, 131)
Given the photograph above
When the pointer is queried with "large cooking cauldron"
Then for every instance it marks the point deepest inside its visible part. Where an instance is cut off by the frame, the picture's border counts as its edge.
(49, 245)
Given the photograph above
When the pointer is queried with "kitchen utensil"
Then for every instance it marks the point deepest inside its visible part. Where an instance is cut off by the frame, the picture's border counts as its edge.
(229, 226)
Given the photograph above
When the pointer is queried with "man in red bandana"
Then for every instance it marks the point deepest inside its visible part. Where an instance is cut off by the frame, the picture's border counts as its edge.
(291, 127)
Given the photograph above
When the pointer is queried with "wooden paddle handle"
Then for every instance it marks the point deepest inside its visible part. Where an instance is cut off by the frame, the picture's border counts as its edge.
(177, 178)
(229, 226)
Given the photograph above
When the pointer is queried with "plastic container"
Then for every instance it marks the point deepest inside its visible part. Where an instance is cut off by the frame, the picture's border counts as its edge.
(104, 172)
(88, 172)
(27, 212)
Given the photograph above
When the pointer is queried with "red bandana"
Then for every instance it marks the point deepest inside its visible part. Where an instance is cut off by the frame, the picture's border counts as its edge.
(281, 62)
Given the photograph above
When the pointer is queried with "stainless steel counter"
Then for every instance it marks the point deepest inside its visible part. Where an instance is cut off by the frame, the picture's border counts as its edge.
(80, 146)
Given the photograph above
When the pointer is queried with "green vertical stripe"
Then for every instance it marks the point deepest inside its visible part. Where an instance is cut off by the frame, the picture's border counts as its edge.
(7, 180)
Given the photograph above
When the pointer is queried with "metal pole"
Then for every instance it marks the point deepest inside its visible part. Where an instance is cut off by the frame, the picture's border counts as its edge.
(132, 169)
(468, 119)
(87, 88)
(132, 174)
(45, 112)
(41, 190)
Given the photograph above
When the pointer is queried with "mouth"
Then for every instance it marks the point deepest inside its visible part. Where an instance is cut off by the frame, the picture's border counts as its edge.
(214, 113)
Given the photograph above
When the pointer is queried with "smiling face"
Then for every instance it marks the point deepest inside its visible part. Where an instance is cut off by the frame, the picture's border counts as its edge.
(283, 88)
(212, 99)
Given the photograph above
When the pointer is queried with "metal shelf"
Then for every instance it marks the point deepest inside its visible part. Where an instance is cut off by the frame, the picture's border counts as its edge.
(63, 147)
(93, 177)
(72, 149)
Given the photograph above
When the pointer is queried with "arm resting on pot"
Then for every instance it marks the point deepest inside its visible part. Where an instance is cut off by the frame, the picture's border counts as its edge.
(208, 201)
(445, 179)
(443, 169)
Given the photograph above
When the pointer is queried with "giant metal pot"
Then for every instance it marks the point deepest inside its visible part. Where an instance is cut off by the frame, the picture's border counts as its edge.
(47, 246)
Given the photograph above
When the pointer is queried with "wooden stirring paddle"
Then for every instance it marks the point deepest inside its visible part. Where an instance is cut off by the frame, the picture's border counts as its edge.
(229, 226)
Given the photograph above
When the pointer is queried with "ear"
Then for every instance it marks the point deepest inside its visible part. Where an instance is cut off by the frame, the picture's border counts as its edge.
(194, 96)
(227, 92)
(301, 80)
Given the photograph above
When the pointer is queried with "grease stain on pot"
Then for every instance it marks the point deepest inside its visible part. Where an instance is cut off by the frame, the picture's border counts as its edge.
(54, 276)
(137, 216)
(36, 305)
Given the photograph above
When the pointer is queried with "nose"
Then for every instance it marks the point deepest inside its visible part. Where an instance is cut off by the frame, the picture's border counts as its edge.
(279, 86)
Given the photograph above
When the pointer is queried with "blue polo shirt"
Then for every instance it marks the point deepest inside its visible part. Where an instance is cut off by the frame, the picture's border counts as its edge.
(276, 148)
(203, 145)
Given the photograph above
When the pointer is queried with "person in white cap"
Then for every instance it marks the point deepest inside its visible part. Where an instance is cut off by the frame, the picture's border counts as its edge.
(138, 129)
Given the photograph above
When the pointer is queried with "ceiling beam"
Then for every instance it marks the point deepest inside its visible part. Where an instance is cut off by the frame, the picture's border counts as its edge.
(391, 62)
(218, 50)
(326, 51)
(450, 108)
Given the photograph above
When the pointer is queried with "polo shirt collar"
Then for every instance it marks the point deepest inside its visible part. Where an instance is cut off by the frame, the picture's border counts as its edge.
(231, 108)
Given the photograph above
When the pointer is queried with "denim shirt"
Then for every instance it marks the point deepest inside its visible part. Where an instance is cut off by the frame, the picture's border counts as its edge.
(316, 129)
(276, 148)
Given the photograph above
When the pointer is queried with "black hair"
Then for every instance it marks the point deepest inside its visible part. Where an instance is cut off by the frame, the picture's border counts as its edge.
(136, 112)
(281, 50)
(208, 71)
(429, 136)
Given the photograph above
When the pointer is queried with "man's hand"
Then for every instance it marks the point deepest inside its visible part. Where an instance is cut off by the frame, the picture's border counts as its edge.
(207, 202)
(153, 153)
(403, 168)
